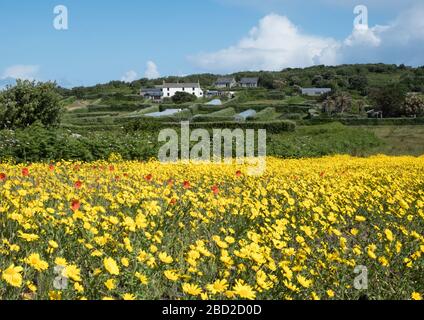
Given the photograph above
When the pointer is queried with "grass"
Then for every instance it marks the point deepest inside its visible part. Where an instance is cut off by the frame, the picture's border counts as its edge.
(323, 140)
(399, 140)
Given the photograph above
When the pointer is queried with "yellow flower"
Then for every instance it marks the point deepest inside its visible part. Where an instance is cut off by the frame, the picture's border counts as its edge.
(111, 266)
(219, 286)
(128, 296)
(78, 287)
(61, 262)
(360, 218)
(244, 291)
(53, 244)
(143, 279)
(72, 272)
(125, 262)
(416, 296)
(110, 284)
(12, 276)
(171, 275)
(165, 258)
(330, 293)
(55, 295)
(191, 289)
(389, 235)
(303, 281)
(36, 262)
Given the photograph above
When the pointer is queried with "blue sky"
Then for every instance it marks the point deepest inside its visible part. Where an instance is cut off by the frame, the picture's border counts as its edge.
(129, 39)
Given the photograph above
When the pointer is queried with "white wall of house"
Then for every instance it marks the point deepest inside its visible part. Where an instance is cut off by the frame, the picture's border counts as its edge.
(169, 92)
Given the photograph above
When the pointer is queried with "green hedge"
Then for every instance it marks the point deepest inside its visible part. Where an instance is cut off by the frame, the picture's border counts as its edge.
(365, 121)
(271, 127)
(117, 108)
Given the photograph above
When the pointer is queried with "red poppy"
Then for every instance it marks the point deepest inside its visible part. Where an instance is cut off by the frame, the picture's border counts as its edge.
(111, 168)
(75, 205)
(51, 167)
(126, 175)
(186, 185)
(322, 174)
(25, 172)
(117, 178)
(78, 184)
(215, 189)
(173, 201)
(238, 174)
(170, 182)
(3, 177)
(148, 178)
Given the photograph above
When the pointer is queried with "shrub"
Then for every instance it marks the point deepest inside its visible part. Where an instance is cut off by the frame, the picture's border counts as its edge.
(183, 97)
(414, 105)
(29, 102)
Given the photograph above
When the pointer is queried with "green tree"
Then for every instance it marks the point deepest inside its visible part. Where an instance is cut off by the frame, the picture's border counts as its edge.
(29, 102)
(183, 97)
(339, 102)
(359, 82)
(266, 80)
(390, 99)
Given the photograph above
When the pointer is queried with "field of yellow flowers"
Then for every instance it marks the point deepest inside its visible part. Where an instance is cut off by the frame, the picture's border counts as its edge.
(131, 230)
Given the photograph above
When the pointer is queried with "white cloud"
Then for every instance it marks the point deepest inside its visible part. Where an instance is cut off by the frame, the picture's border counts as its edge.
(24, 72)
(129, 76)
(401, 41)
(276, 43)
(151, 70)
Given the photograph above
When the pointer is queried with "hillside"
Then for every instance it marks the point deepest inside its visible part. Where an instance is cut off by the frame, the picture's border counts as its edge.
(343, 77)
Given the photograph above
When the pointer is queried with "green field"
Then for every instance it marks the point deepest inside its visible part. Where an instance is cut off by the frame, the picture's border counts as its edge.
(399, 140)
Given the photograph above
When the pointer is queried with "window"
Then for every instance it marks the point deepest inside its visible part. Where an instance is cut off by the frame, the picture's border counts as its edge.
(168, 89)
(183, 89)
(194, 89)
(169, 94)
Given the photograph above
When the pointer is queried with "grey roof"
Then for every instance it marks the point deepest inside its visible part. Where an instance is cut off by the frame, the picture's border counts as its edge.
(179, 85)
(225, 80)
(249, 80)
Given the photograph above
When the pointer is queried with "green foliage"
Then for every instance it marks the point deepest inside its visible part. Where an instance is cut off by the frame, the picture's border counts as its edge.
(29, 102)
(359, 83)
(266, 114)
(39, 144)
(183, 97)
(365, 121)
(317, 141)
(390, 99)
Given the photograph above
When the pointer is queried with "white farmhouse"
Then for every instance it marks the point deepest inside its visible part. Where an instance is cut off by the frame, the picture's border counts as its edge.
(170, 89)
